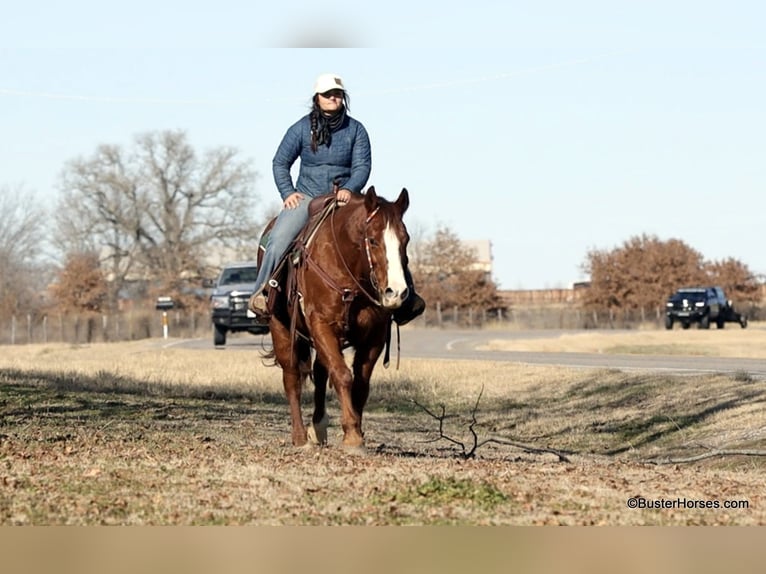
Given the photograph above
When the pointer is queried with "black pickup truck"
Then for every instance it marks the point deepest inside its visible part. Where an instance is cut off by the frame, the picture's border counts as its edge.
(231, 293)
(701, 305)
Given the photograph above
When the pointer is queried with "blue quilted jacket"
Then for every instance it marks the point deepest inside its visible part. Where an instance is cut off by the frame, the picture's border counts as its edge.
(348, 158)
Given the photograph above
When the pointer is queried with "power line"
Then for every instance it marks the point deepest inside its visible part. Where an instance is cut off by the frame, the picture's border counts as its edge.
(245, 101)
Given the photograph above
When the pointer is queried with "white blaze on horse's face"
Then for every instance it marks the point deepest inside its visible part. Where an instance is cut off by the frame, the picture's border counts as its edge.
(395, 291)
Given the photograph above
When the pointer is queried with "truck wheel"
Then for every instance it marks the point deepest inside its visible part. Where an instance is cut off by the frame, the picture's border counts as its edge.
(720, 323)
(668, 322)
(219, 335)
(743, 322)
(705, 322)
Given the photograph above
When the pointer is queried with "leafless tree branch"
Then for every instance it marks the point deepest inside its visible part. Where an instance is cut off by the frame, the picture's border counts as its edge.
(467, 453)
(710, 454)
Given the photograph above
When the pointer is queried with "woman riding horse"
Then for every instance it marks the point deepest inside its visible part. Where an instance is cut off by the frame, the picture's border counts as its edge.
(334, 150)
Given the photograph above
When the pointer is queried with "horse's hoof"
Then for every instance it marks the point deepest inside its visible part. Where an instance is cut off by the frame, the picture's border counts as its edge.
(317, 433)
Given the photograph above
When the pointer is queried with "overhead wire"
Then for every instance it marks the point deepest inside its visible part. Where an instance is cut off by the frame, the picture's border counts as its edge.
(243, 101)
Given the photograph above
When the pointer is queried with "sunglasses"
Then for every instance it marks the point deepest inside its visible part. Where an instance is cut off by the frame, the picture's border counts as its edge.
(332, 94)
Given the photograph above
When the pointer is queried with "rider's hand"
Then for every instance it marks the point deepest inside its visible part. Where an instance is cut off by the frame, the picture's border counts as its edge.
(293, 200)
(343, 195)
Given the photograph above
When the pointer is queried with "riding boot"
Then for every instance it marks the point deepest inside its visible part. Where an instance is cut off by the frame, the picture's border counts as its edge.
(258, 305)
(413, 307)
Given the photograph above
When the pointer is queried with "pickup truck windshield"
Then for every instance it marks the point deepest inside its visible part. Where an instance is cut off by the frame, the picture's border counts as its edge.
(237, 275)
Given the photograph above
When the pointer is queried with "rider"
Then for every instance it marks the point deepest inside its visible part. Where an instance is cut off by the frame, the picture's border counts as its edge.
(334, 148)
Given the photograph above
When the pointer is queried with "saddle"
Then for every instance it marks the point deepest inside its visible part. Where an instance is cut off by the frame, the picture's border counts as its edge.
(281, 279)
(284, 280)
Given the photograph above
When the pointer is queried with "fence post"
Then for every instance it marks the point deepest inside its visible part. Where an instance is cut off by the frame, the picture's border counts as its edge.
(164, 324)
(13, 330)
(439, 313)
(29, 328)
(45, 328)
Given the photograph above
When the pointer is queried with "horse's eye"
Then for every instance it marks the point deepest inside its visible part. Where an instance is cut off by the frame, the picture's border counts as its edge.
(373, 241)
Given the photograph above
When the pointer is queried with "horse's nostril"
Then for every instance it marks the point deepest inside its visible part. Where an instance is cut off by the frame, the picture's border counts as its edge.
(405, 293)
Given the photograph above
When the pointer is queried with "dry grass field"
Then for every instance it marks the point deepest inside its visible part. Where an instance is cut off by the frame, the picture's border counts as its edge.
(138, 434)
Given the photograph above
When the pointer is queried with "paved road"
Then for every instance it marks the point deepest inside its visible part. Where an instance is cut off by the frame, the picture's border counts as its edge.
(462, 344)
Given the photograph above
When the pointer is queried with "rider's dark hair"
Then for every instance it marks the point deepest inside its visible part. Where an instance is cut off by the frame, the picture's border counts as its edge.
(322, 125)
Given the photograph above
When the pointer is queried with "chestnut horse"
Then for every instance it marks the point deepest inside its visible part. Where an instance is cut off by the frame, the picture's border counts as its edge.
(338, 288)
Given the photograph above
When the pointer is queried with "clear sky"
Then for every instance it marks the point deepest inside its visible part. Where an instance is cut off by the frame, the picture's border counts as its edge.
(548, 127)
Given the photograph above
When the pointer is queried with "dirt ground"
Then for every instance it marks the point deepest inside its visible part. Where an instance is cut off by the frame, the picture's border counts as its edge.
(98, 444)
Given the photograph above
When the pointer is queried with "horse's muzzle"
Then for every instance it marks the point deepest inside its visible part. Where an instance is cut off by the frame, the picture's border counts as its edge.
(393, 298)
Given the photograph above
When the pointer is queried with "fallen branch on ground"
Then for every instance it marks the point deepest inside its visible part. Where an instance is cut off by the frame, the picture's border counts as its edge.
(467, 453)
(711, 454)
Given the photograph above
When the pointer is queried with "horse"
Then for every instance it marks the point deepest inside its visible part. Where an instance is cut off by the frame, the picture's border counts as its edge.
(337, 288)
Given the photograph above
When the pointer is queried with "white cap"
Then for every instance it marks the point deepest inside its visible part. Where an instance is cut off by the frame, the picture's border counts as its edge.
(327, 82)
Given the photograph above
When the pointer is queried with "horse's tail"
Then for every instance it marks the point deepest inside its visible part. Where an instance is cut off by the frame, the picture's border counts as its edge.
(269, 358)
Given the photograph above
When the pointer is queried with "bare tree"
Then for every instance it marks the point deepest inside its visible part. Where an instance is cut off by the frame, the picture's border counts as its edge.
(97, 210)
(22, 237)
(158, 211)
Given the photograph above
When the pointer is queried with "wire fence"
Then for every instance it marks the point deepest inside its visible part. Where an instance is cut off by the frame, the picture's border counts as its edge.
(147, 324)
(543, 317)
(556, 317)
(93, 328)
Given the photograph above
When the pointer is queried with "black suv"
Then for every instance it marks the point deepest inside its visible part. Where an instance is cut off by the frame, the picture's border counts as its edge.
(701, 305)
(231, 293)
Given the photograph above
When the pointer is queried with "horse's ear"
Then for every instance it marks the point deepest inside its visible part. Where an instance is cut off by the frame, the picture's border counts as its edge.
(370, 199)
(403, 201)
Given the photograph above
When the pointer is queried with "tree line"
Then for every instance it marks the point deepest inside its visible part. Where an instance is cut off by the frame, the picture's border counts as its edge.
(138, 222)
(643, 271)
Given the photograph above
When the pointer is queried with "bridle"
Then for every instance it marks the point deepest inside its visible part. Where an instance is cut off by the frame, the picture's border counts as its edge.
(370, 264)
(348, 295)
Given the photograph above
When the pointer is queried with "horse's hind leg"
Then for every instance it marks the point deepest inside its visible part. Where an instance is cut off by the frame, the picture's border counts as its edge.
(293, 383)
(317, 432)
(364, 363)
(293, 360)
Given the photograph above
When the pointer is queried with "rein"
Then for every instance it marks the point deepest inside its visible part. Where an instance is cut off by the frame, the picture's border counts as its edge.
(348, 295)
(373, 280)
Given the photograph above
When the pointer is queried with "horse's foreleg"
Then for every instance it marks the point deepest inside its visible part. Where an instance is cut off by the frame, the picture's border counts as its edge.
(317, 432)
(329, 353)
